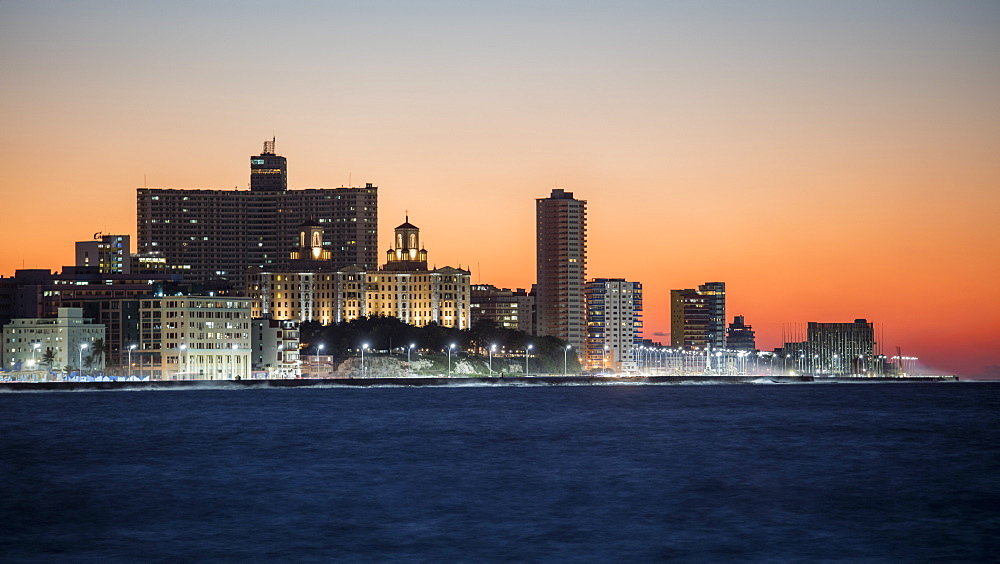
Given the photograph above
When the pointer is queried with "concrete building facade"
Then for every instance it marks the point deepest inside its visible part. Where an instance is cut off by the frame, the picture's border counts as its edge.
(275, 347)
(510, 309)
(194, 338)
(698, 317)
(70, 336)
(614, 324)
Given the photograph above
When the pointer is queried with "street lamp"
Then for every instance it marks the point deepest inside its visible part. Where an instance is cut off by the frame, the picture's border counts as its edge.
(34, 347)
(526, 349)
(565, 351)
(363, 347)
(130, 349)
(605, 359)
(184, 356)
(451, 346)
(232, 365)
(80, 360)
(408, 349)
(492, 348)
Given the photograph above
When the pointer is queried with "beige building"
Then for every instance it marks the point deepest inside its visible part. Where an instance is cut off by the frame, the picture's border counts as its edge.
(193, 338)
(310, 289)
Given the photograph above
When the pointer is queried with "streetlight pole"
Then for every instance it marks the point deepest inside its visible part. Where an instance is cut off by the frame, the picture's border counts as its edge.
(408, 349)
(565, 352)
(492, 348)
(451, 346)
(526, 349)
(130, 349)
(80, 359)
(34, 347)
(236, 347)
(363, 347)
(184, 355)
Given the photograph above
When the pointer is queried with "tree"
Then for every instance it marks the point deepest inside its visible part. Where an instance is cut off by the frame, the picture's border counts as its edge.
(96, 355)
(48, 358)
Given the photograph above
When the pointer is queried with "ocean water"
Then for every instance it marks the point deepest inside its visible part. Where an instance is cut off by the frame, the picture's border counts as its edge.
(876, 472)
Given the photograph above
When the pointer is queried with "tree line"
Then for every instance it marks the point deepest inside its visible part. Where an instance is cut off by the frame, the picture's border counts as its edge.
(383, 333)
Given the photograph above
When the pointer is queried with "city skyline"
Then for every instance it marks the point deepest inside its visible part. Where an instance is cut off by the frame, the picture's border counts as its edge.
(826, 162)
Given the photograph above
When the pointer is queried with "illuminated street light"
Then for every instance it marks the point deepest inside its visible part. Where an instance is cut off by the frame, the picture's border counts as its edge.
(565, 351)
(130, 349)
(492, 348)
(526, 349)
(80, 360)
(363, 347)
(408, 349)
(451, 346)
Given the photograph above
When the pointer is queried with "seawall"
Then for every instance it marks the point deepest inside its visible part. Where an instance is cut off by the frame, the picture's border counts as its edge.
(418, 381)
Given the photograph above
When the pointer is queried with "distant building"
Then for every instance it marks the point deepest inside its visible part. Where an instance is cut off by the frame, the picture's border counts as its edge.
(156, 263)
(614, 324)
(222, 233)
(510, 309)
(312, 289)
(106, 254)
(698, 317)
(70, 337)
(561, 267)
(275, 346)
(38, 293)
(834, 348)
(740, 336)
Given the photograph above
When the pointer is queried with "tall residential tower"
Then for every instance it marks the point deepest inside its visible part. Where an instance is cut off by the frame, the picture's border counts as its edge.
(561, 267)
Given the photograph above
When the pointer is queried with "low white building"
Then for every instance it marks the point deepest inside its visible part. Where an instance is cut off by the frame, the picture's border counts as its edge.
(276, 348)
(193, 338)
(70, 337)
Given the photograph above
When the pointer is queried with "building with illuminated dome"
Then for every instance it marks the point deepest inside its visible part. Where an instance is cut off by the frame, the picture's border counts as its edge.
(310, 288)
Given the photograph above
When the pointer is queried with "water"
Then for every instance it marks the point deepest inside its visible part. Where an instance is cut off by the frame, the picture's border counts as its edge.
(884, 472)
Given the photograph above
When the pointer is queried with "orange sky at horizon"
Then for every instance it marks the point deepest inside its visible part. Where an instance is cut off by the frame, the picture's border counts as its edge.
(826, 166)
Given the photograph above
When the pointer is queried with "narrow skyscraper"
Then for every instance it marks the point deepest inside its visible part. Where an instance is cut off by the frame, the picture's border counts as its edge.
(561, 267)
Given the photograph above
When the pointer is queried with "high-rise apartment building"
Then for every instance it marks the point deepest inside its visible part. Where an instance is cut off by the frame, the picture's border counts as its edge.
(614, 324)
(220, 234)
(698, 317)
(561, 267)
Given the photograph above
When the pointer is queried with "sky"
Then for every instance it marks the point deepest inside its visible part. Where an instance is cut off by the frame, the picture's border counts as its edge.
(827, 160)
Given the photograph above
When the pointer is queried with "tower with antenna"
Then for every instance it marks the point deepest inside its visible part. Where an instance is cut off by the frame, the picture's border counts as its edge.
(268, 171)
